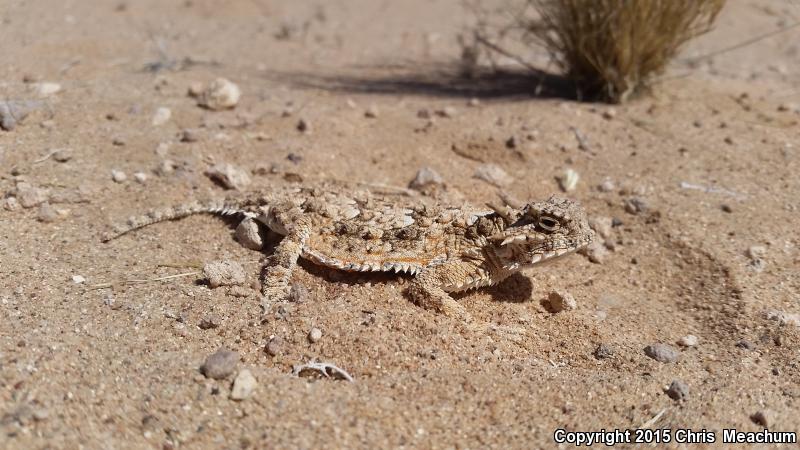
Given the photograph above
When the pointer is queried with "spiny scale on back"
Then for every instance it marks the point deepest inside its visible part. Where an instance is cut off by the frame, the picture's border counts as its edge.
(448, 248)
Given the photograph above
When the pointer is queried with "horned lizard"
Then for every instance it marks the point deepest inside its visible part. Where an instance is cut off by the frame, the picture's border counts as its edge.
(445, 248)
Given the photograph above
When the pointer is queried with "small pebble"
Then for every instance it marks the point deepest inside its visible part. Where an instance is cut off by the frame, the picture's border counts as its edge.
(726, 208)
(745, 344)
(493, 174)
(447, 112)
(219, 95)
(473, 102)
(46, 89)
(561, 301)
(275, 346)
(166, 167)
(140, 177)
(62, 155)
(161, 116)
(224, 273)
(118, 141)
(13, 112)
(243, 385)
(299, 293)
(569, 180)
(603, 351)
(678, 390)
(784, 318)
(209, 322)
(78, 279)
(294, 158)
(190, 135)
(609, 113)
(314, 335)
(248, 233)
(11, 204)
(304, 126)
(371, 112)
(664, 353)
(756, 251)
(689, 340)
(195, 89)
(46, 213)
(229, 176)
(118, 176)
(596, 252)
(220, 364)
(30, 196)
(602, 225)
(763, 418)
(636, 205)
(425, 177)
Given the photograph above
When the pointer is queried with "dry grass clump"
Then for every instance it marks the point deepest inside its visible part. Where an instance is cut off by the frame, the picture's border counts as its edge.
(613, 48)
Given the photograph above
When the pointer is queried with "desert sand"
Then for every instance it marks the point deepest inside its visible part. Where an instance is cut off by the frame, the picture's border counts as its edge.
(699, 179)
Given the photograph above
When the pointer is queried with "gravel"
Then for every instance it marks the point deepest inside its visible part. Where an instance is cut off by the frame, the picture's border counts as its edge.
(46, 213)
(248, 233)
(229, 176)
(561, 301)
(220, 95)
(424, 178)
(314, 335)
(763, 418)
(118, 176)
(220, 364)
(689, 340)
(224, 273)
(603, 351)
(161, 116)
(275, 346)
(243, 385)
(678, 390)
(493, 174)
(664, 353)
(209, 322)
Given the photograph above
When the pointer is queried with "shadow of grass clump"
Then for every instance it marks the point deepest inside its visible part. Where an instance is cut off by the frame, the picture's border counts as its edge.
(612, 49)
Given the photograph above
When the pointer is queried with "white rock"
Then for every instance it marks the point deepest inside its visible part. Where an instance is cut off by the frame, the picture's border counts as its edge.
(314, 335)
(221, 94)
(568, 180)
(118, 176)
(229, 176)
(689, 340)
(243, 385)
(161, 116)
(45, 89)
(140, 177)
(493, 174)
(78, 279)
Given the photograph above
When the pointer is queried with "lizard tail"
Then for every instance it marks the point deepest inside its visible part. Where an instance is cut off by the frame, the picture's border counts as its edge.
(218, 208)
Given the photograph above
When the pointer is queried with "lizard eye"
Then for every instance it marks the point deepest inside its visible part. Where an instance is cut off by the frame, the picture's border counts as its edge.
(548, 223)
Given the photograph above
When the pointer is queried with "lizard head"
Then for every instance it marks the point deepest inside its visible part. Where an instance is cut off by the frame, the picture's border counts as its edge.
(541, 231)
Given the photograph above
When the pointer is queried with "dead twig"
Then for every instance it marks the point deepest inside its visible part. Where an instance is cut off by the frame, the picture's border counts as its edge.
(141, 281)
(327, 369)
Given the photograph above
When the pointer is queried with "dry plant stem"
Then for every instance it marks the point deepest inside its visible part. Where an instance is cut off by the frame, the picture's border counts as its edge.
(613, 48)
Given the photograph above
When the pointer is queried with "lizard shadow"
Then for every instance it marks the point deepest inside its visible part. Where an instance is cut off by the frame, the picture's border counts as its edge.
(517, 288)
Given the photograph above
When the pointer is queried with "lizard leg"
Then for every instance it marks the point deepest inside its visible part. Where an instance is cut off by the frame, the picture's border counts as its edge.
(278, 271)
(427, 289)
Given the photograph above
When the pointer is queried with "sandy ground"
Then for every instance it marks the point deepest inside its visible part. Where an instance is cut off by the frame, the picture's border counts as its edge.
(713, 155)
